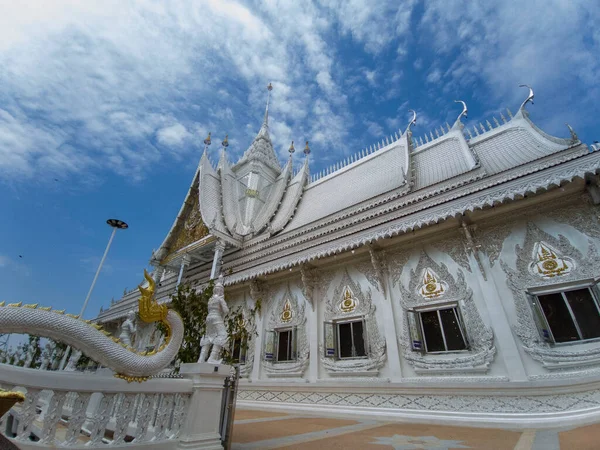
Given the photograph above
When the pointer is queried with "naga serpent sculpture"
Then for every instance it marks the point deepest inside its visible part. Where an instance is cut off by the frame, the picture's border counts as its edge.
(89, 337)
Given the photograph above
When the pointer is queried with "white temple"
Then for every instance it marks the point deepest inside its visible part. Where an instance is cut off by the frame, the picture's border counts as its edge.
(449, 276)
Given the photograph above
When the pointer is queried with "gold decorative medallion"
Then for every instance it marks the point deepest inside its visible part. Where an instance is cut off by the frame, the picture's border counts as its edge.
(548, 263)
(287, 313)
(348, 303)
(431, 286)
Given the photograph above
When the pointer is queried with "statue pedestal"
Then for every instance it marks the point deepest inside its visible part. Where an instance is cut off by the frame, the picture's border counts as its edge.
(201, 427)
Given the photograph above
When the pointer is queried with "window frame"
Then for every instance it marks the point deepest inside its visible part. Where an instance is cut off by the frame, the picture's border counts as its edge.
(292, 350)
(334, 324)
(419, 342)
(540, 319)
(364, 336)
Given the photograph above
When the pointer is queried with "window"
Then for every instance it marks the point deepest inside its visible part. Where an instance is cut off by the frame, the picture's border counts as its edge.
(437, 330)
(238, 351)
(284, 346)
(280, 345)
(567, 316)
(345, 339)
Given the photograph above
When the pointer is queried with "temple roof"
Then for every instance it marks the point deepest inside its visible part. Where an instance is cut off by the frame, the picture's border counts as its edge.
(261, 150)
(187, 228)
(279, 220)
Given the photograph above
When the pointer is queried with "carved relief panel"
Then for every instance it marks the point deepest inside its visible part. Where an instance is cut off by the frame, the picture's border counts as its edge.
(548, 270)
(442, 330)
(352, 343)
(286, 347)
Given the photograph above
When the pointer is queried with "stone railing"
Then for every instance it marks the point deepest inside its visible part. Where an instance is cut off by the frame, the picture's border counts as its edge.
(82, 410)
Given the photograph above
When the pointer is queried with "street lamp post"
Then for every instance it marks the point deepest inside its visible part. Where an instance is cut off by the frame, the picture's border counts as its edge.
(116, 224)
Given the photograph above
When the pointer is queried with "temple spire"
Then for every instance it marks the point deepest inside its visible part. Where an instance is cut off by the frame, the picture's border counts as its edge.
(269, 89)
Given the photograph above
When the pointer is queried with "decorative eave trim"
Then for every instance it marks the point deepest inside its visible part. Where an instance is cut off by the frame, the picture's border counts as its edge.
(180, 216)
(404, 206)
(540, 180)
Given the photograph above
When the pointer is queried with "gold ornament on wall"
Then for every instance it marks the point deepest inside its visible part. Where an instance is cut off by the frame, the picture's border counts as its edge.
(432, 286)
(287, 314)
(348, 303)
(548, 263)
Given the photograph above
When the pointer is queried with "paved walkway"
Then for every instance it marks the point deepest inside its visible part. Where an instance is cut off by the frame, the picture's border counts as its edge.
(266, 430)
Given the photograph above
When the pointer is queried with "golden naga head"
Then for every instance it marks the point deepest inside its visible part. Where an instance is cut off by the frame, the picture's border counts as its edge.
(149, 309)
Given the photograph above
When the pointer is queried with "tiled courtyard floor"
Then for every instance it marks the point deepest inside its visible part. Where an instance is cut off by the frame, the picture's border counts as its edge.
(266, 430)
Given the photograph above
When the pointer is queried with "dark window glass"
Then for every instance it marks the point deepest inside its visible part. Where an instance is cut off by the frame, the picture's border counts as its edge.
(359, 340)
(454, 337)
(558, 317)
(345, 335)
(432, 332)
(584, 309)
(235, 351)
(351, 340)
(284, 343)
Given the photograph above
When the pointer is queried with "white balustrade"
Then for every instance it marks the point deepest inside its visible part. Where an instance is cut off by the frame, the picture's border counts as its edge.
(85, 410)
(82, 410)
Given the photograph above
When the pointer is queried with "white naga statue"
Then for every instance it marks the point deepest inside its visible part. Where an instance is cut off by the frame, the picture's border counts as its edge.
(47, 355)
(128, 329)
(73, 360)
(29, 356)
(17, 357)
(216, 334)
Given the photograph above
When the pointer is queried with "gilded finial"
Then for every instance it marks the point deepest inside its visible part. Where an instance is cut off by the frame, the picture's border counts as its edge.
(207, 141)
(291, 149)
(306, 149)
(225, 142)
(529, 97)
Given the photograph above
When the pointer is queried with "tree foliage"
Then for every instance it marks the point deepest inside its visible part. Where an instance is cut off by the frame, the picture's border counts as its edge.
(192, 306)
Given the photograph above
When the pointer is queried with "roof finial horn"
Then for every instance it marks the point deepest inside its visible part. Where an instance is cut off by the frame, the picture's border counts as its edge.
(413, 121)
(529, 97)
(463, 113)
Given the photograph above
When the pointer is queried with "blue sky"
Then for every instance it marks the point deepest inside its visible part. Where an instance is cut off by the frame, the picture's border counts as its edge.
(104, 105)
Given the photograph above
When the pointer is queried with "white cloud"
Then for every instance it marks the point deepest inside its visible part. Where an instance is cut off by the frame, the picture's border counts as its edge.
(434, 76)
(14, 266)
(374, 128)
(92, 86)
(173, 135)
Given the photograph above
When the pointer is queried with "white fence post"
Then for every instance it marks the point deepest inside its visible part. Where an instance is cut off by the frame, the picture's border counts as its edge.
(201, 428)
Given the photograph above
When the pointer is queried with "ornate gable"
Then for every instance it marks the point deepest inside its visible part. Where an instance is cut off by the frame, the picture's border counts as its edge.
(544, 260)
(288, 312)
(193, 228)
(430, 284)
(348, 301)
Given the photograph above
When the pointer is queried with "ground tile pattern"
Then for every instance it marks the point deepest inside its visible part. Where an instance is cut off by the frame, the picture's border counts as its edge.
(269, 429)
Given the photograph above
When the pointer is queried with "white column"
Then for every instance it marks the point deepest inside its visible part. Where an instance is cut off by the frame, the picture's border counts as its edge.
(314, 332)
(391, 335)
(258, 345)
(201, 428)
(503, 336)
(216, 266)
